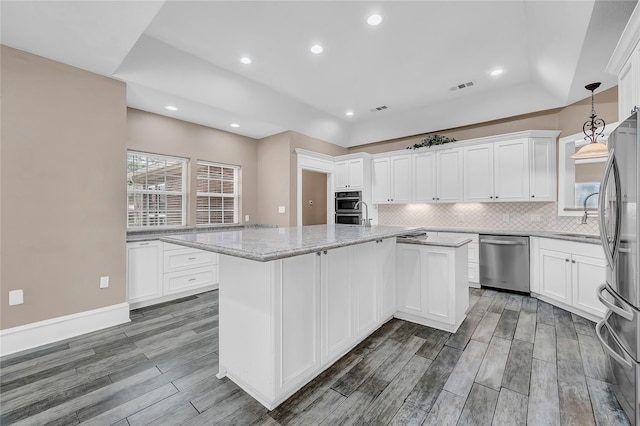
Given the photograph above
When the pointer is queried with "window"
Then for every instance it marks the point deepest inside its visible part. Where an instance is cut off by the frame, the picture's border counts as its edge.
(156, 190)
(217, 197)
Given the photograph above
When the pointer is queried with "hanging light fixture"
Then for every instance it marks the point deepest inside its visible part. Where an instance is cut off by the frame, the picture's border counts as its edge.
(593, 149)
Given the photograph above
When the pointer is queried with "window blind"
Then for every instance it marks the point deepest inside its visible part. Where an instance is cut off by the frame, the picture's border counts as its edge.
(217, 194)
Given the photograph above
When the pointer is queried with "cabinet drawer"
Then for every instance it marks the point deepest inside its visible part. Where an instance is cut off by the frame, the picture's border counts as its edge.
(178, 260)
(473, 253)
(474, 273)
(177, 282)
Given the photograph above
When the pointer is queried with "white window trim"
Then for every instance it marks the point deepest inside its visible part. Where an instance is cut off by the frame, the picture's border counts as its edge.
(235, 196)
(183, 193)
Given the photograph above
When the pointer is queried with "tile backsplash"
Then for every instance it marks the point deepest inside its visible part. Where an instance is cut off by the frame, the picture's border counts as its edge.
(506, 216)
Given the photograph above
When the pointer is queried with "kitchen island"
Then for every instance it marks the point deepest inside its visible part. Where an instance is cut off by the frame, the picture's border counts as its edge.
(294, 300)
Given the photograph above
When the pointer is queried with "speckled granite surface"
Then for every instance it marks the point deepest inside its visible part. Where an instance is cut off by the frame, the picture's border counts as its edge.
(265, 244)
(156, 234)
(436, 241)
(581, 238)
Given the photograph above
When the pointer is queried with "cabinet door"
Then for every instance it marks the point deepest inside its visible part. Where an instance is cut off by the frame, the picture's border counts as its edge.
(449, 181)
(424, 177)
(409, 278)
(381, 180)
(356, 173)
(555, 275)
(401, 179)
(438, 298)
(144, 271)
(342, 174)
(588, 274)
(363, 277)
(478, 173)
(511, 170)
(542, 169)
(337, 303)
(386, 278)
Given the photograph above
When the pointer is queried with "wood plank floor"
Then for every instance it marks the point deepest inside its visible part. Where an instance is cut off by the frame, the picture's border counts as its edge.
(514, 361)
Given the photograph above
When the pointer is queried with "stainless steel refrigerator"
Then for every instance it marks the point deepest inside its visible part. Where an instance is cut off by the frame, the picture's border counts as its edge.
(619, 331)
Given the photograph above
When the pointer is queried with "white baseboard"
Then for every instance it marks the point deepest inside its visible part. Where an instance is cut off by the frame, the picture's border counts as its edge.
(40, 333)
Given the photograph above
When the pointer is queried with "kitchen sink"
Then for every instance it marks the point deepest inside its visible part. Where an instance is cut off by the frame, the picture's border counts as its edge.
(585, 236)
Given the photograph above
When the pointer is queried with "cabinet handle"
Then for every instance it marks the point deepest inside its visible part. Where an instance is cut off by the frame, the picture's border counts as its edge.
(192, 279)
(192, 258)
(144, 244)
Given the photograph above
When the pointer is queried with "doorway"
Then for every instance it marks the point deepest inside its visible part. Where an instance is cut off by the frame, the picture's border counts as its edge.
(314, 198)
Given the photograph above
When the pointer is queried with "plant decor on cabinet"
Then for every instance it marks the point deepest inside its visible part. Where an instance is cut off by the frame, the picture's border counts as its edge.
(432, 140)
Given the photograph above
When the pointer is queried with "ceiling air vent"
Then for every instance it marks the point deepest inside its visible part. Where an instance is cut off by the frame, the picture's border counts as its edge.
(380, 108)
(462, 86)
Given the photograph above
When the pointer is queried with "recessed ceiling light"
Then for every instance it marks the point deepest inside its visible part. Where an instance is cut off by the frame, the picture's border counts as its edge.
(349, 113)
(316, 49)
(497, 72)
(374, 20)
(235, 125)
(245, 60)
(171, 108)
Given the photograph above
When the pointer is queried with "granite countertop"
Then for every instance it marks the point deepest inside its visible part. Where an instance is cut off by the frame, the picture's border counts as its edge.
(265, 244)
(157, 233)
(558, 235)
(435, 241)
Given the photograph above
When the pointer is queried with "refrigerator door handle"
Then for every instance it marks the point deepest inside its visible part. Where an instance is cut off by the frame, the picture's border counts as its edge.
(622, 359)
(624, 311)
(609, 251)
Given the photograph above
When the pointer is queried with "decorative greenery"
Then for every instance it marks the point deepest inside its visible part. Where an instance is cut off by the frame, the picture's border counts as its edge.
(432, 140)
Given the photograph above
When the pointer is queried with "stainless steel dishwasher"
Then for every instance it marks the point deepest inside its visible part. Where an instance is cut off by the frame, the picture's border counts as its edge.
(504, 262)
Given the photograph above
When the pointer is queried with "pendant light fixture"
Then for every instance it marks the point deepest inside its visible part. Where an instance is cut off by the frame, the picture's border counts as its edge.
(593, 149)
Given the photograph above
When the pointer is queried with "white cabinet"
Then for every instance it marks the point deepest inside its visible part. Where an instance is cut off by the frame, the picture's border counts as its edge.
(158, 272)
(337, 303)
(497, 171)
(567, 274)
(391, 179)
(542, 169)
(432, 287)
(625, 63)
(437, 176)
(350, 173)
(385, 264)
(365, 282)
(144, 271)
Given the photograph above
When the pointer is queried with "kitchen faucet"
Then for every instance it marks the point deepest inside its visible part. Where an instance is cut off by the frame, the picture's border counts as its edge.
(366, 221)
(586, 214)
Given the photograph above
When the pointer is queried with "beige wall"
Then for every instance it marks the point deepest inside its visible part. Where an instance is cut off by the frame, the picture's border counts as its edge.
(314, 198)
(63, 204)
(273, 179)
(568, 119)
(157, 134)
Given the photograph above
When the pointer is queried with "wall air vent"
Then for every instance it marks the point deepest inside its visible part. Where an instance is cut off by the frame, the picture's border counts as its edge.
(380, 108)
(462, 86)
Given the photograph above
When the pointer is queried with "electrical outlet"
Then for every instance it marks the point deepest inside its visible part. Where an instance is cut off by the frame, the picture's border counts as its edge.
(104, 282)
(246, 218)
(281, 209)
(16, 297)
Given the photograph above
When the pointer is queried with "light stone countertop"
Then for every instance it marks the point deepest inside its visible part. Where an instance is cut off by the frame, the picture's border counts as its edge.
(435, 241)
(558, 235)
(266, 244)
(157, 233)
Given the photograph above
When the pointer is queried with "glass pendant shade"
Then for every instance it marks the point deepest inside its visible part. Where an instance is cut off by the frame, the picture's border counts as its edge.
(591, 150)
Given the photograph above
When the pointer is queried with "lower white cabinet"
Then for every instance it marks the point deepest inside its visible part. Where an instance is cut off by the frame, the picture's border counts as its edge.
(432, 285)
(158, 272)
(567, 274)
(473, 253)
(144, 271)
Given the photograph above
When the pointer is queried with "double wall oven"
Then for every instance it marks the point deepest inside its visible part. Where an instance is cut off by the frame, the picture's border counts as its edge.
(348, 211)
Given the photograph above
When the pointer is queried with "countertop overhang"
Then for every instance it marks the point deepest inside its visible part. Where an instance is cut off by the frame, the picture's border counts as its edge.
(266, 244)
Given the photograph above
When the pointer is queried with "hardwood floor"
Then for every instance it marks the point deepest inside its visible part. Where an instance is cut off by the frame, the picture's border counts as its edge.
(514, 361)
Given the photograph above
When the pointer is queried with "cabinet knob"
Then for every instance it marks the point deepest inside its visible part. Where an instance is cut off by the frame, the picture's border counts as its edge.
(496, 197)
(573, 261)
(318, 253)
(433, 198)
(437, 198)
(566, 260)
(325, 252)
(533, 196)
(491, 196)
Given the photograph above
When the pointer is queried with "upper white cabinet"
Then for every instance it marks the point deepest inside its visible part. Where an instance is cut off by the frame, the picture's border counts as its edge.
(497, 171)
(542, 169)
(437, 176)
(392, 179)
(625, 63)
(350, 174)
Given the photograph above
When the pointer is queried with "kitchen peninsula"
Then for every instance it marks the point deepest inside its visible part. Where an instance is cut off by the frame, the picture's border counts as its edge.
(294, 300)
